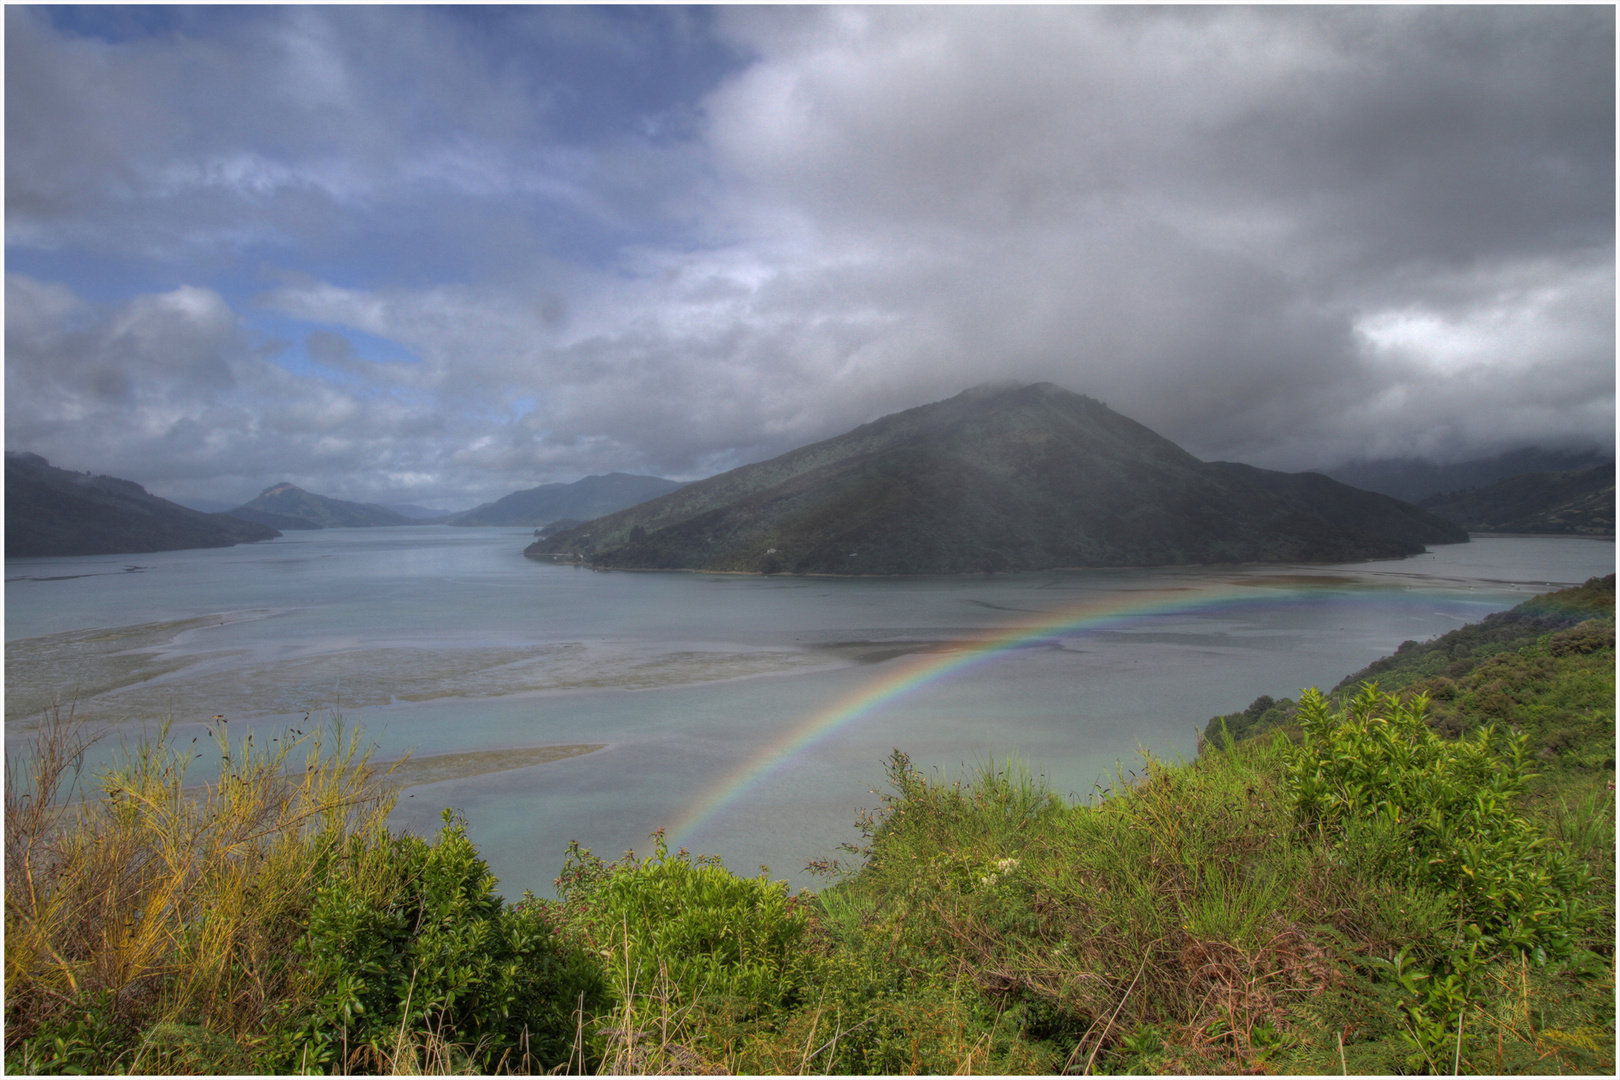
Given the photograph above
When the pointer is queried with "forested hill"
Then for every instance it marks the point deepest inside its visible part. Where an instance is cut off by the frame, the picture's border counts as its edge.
(998, 478)
(1576, 502)
(582, 500)
(1415, 480)
(51, 511)
(284, 506)
(1352, 509)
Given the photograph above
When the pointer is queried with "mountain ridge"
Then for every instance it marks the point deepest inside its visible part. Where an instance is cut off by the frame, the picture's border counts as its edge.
(1416, 479)
(52, 511)
(1572, 503)
(1353, 508)
(587, 498)
(997, 478)
(286, 506)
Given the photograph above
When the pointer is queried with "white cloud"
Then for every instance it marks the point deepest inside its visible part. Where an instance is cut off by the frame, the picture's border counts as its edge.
(1273, 234)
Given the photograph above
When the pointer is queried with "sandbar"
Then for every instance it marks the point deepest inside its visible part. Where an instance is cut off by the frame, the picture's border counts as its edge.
(416, 771)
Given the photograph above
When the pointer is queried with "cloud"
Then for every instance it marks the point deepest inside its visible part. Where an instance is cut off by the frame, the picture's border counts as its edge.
(1190, 213)
(676, 241)
(170, 389)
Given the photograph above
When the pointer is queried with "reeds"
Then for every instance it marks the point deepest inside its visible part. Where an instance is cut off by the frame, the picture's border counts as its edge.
(165, 912)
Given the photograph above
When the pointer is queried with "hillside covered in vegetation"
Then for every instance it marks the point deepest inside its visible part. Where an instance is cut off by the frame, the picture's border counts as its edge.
(1378, 886)
(284, 506)
(1002, 477)
(1574, 502)
(51, 511)
(1538, 667)
(581, 500)
(1415, 479)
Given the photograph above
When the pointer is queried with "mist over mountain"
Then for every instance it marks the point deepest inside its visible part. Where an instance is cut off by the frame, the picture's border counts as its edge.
(284, 506)
(1415, 479)
(51, 511)
(592, 497)
(999, 478)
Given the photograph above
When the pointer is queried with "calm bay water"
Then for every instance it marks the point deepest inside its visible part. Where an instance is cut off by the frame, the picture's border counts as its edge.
(441, 640)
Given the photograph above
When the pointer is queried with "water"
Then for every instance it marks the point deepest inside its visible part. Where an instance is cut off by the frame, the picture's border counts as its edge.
(442, 640)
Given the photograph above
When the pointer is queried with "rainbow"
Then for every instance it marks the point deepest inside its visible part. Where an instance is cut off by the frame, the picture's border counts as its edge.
(927, 668)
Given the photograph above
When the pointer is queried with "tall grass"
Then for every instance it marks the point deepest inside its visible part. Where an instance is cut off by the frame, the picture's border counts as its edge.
(144, 913)
(1169, 904)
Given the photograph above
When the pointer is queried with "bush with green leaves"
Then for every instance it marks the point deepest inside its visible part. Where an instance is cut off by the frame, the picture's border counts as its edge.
(710, 932)
(1402, 804)
(410, 937)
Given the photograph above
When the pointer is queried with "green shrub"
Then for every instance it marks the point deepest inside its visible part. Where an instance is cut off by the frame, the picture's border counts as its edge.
(711, 932)
(696, 960)
(408, 937)
(1407, 806)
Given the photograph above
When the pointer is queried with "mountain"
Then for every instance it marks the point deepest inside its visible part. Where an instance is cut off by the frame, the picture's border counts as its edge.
(584, 499)
(1004, 478)
(1578, 502)
(284, 506)
(1414, 479)
(51, 511)
(1353, 509)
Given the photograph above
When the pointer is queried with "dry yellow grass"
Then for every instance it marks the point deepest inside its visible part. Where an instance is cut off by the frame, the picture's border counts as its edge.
(168, 904)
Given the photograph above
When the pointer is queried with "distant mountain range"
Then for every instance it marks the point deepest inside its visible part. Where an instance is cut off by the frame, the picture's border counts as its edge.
(1578, 502)
(1005, 477)
(584, 499)
(51, 511)
(1414, 479)
(283, 506)
(998, 478)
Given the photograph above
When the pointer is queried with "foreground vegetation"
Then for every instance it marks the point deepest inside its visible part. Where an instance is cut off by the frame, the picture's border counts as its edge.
(1382, 882)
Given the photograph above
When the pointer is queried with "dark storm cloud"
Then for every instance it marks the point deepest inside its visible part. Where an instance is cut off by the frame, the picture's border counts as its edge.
(677, 240)
(1192, 213)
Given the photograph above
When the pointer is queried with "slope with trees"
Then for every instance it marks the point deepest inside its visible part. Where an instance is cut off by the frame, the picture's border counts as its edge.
(591, 497)
(51, 511)
(998, 478)
(1545, 666)
(284, 506)
(1353, 509)
(1575, 503)
(1416, 479)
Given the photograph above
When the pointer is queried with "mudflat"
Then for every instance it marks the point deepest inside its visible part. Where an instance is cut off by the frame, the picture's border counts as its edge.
(416, 771)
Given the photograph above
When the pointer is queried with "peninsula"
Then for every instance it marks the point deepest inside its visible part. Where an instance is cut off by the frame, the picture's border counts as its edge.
(1003, 477)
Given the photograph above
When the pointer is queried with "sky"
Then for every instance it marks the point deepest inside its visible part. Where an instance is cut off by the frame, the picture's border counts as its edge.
(434, 255)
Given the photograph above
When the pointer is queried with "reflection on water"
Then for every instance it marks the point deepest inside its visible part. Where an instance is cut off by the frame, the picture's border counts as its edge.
(447, 643)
